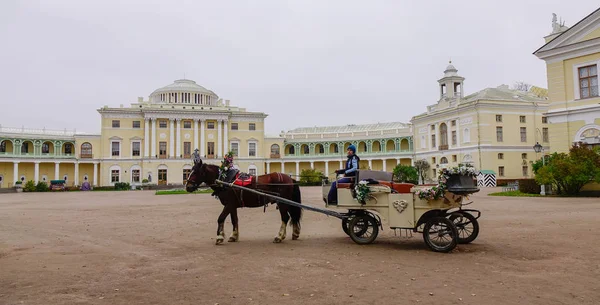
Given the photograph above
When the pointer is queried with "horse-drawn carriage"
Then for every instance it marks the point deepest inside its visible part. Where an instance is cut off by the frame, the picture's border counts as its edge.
(443, 221)
(57, 185)
(372, 196)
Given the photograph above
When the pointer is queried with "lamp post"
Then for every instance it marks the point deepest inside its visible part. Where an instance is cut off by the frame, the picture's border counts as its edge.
(539, 148)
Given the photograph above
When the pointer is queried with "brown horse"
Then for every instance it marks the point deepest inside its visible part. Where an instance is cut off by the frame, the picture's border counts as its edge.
(275, 183)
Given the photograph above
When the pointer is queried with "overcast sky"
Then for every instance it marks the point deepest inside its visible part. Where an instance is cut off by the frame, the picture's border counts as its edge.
(304, 63)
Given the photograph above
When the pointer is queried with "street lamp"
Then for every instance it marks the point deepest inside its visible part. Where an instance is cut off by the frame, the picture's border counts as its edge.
(539, 148)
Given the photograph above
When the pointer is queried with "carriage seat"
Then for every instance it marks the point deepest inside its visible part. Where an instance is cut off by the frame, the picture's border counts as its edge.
(243, 179)
(367, 174)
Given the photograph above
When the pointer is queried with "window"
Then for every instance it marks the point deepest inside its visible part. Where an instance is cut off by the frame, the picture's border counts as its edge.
(135, 149)
(443, 160)
(305, 149)
(321, 149)
(466, 135)
(135, 175)
(545, 120)
(252, 126)
(524, 156)
(187, 124)
(499, 134)
(114, 175)
(68, 149)
(162, 150)
(187, 149)
(116, 149)
(3, 146)
(454, 158)
(252, 149)
(453, 137)
(252, 171)
(433, 160)
(434, 172)
(235, 148)
(186, 174)
(25, 148)
(498, 118)
(45, 148)
(210, 146)
(162, 176)
(525, 170)
(86, 150)
(522, 119)
(162, 124)
(116, 124)
(453, 123)
(545, 136)
(423, 142)
(432, 127)
(523, 134)
(336, 148)
(274, 149)
(210, 125)
(443, 136)
(433, 140)
(234, 126)
(501, 171)
(500, 156)
(136, 124)
(588, 81)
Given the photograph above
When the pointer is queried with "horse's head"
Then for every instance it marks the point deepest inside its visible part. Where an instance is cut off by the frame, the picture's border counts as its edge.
(201, 173)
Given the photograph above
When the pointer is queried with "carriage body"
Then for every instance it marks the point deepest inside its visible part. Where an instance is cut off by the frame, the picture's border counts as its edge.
(399, 206)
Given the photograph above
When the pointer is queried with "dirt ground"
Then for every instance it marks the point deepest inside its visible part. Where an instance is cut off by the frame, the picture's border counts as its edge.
(139, 248)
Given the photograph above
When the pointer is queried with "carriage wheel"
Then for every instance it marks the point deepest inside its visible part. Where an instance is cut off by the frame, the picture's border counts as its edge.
(345, 222)
(467, 226)
(363, 229)
(440, 234)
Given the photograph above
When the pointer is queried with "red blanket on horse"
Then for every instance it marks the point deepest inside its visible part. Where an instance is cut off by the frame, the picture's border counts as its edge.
(243, 180)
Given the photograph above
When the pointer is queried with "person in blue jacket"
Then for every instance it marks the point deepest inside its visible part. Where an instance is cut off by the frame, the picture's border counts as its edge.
(350, 171)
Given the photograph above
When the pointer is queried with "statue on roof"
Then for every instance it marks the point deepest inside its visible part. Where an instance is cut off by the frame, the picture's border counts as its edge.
(557, 26)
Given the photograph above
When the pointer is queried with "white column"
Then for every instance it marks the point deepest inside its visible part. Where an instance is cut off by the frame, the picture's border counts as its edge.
(16, 172)
(153, 122)
(412, 161)
(297, 170)
(146, 138)
(283, 167)
(56, 170)
(312, 164)
(226, 138)
(370, 164)
(219, 140)
(178, 138)
(437, 136)
(457, 132)
(384, 165)
(36, 172)
(326, 168)
(171, 138)
(397, 161)
(76, 178)
(195, 135)
(449, 133)
(95, 181)
(268, 167)
(202, 139)
(341, 165)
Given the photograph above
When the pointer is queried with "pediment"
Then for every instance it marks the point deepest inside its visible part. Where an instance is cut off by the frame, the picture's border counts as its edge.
(587, 29)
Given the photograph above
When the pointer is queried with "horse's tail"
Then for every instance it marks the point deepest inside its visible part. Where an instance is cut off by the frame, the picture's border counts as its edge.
(296, 212)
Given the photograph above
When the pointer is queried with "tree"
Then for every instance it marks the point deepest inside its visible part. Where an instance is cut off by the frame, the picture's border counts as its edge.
(405, 173)
(422, 167)
(570, 172)
(310, 177)
(522, 86)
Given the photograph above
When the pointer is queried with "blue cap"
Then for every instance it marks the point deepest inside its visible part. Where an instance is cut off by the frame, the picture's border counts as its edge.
(352, 148)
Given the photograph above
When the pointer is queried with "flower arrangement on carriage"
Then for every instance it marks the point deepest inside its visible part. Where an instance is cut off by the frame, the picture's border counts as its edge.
(226, 164)
(458, 180)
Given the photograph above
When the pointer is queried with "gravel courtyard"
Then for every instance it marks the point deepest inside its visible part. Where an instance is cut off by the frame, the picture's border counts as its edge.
(139, 248)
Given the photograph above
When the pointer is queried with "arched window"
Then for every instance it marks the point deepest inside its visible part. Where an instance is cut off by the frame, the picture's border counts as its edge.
(290, 149)
(3, 146)
(443, 160)
(86, 150)
(443, 136)
(333, 148)
(319, 149)
(274, 149)
(68, 148)
(466, 135)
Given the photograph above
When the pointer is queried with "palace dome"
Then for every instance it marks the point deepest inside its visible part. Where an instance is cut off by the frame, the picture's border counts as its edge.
(184, 91)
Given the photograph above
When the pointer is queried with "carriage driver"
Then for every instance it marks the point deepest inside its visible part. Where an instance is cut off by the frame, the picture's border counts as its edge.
(349, 171)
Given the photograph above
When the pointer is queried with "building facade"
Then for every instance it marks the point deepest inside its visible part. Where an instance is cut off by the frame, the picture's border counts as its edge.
(572, 57)
(494, 129)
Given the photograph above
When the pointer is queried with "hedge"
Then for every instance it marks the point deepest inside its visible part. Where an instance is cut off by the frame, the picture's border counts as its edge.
(529, 186)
